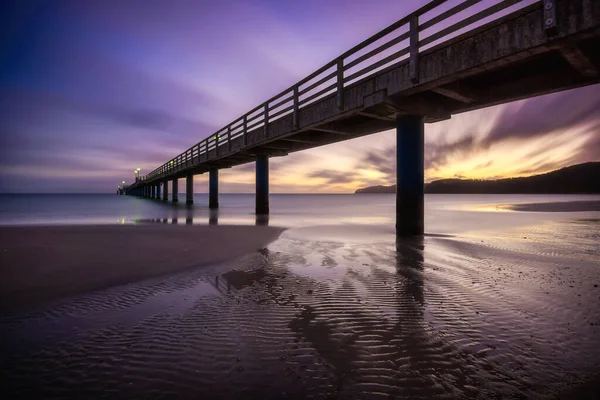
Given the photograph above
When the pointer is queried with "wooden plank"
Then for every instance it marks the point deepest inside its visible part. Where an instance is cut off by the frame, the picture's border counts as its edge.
(328, 131)
(378, 50)
(229, 138)
(447, 14)
(378, 64)
(319, 93)
(295, 122)
(414, 49)
(317, 83)
(375, 116)
(297, 141)
(290, 97)
(245, 130)
(426, 8)
(340, 84)
(251, 119)
(578, 60)
(280, 112)
(468, 21)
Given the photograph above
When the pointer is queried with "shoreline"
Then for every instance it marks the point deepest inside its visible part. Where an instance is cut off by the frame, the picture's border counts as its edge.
(41, 264)
(557, 206)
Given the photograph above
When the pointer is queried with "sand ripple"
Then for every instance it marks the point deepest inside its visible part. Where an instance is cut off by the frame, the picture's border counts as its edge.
(442, 317)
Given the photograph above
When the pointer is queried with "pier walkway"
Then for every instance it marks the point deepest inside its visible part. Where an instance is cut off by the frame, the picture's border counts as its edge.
(443, 59)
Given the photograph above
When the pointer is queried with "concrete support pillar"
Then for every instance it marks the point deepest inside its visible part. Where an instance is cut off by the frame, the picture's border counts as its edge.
(158, 190)
(166, 191)
(262, 184)
(189, 189)
(153, 191)
(175, 190)
(409, 175)
(213, 188)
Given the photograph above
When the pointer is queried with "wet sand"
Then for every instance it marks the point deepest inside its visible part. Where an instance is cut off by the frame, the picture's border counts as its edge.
(563, 206)
(328, 312)
(45, 263)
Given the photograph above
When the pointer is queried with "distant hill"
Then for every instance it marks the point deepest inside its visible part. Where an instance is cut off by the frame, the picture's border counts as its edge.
(580, 178)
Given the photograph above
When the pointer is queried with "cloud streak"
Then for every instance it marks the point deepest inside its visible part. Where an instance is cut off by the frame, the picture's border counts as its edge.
(88, 87)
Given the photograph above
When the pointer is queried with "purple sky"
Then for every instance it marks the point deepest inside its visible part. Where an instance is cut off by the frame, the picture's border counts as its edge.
(91, 90)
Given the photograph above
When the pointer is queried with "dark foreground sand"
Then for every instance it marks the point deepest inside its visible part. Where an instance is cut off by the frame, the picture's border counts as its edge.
(331, 312)
(38, 264)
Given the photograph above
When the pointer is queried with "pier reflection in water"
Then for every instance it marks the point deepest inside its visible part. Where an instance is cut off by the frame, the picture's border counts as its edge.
(213, 218)
(361, 325)
(368, 324)
(194, 217)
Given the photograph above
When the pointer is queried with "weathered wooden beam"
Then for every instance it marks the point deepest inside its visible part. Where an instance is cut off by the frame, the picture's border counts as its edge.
(414, 48)
(296, 119)
(457, 91)
(297, 140)
(261, 150)
(237, 158)
(578, 60)
(418, 106)
(245, 130)
(229, 138)
(266, 120)
(518, 89)
(276, 147)
(340, 84)
(328, 130)
(375, 116)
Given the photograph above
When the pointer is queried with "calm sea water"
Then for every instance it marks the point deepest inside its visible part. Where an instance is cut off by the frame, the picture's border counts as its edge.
(443, 213)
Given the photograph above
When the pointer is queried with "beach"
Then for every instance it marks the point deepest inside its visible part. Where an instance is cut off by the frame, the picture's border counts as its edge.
(341, 309)
(45, 263)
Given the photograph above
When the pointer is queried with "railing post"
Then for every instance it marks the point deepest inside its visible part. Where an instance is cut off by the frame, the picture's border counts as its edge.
(340, 84)
(550, 17)
(229, 138)
(295, 118)
(216, 139)
(266, 120)
(414, 48)
(245, 134)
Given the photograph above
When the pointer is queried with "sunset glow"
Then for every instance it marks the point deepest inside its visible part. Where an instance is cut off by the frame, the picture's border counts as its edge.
(103, 89)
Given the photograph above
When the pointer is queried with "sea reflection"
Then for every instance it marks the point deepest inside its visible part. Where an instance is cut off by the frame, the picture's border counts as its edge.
(195, 218)
(409, 263)
(213, 218)
(262, 220)
(345, 325)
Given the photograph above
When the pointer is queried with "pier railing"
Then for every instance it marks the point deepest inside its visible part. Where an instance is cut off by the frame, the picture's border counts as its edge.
(431, 25)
